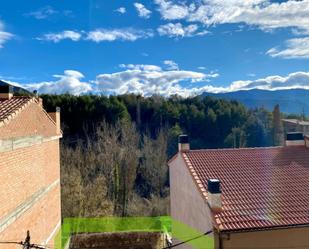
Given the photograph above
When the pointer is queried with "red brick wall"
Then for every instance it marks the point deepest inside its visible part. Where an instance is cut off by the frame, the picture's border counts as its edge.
(24, 172)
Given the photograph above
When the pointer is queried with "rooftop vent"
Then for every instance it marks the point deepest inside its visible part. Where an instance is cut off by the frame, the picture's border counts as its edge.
(214, 195)
(294, 138)
(183, 143)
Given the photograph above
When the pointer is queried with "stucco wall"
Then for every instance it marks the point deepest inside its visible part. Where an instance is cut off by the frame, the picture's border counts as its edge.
(187, 204)
(294, 238)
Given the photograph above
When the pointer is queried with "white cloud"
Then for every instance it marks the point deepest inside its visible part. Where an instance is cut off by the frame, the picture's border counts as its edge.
(69, 82)
(142, 10)
(262, 13)
(4, 36)
(130, 34)
(296, 80)
(151, 79)
(56, 37)
(291, 81)
(295, 48)
(121, 10)
(172, 11)
(143, 67)
(148, 80)
(42, 13)
(99, 35)
(178, 30)
(171, 65)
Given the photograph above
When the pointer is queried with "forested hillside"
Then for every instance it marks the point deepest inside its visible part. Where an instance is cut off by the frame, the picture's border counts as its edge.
(114, 149)
(208, 121)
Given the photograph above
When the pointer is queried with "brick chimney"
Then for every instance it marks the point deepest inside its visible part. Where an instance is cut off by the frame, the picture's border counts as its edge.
(214, 197)
(183, 143)
(294, 138)
(56, 117)
(6, 92)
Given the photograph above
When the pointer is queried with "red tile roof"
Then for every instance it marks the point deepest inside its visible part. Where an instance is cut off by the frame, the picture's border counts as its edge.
(261, 187)
(10, 107)
(24, 116)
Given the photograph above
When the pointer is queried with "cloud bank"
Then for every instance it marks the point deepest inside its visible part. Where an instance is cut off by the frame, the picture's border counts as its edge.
(152, 79)
(147, 80)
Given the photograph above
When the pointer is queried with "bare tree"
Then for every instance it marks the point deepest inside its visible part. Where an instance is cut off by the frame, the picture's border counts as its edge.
(153, 168)
(99, 175)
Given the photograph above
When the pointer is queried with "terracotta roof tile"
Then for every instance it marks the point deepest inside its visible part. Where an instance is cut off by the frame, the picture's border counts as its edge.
(11, 107)
(261, 187)
(24, 116)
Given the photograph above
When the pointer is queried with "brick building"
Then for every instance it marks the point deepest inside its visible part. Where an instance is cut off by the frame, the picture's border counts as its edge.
(247, 197)
(29, 169)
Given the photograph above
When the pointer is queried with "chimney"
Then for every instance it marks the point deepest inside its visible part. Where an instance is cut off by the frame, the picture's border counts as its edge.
(6, 92)
(294, 138)
(183, 143)
(214, 197)
(56, 117)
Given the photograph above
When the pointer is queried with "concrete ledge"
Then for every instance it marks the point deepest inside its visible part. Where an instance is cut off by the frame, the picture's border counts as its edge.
(22, 142)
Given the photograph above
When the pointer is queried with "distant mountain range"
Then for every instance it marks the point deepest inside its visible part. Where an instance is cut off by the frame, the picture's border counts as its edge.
(290, 101)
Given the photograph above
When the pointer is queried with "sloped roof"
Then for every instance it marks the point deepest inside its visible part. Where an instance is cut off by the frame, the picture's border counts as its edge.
(10, 107)
(24, 116)
(262, 188)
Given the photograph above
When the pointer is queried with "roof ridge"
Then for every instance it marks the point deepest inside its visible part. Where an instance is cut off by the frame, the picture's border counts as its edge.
(48, 116)
(237, 149)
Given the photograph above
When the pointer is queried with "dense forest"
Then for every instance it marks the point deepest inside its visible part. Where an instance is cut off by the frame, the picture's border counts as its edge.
(114, 149)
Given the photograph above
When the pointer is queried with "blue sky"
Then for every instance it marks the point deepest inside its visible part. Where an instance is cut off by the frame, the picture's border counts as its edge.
(154, 46)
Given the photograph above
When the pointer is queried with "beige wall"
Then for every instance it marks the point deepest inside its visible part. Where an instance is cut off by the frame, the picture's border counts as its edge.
(293, 238)
(187, 203)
